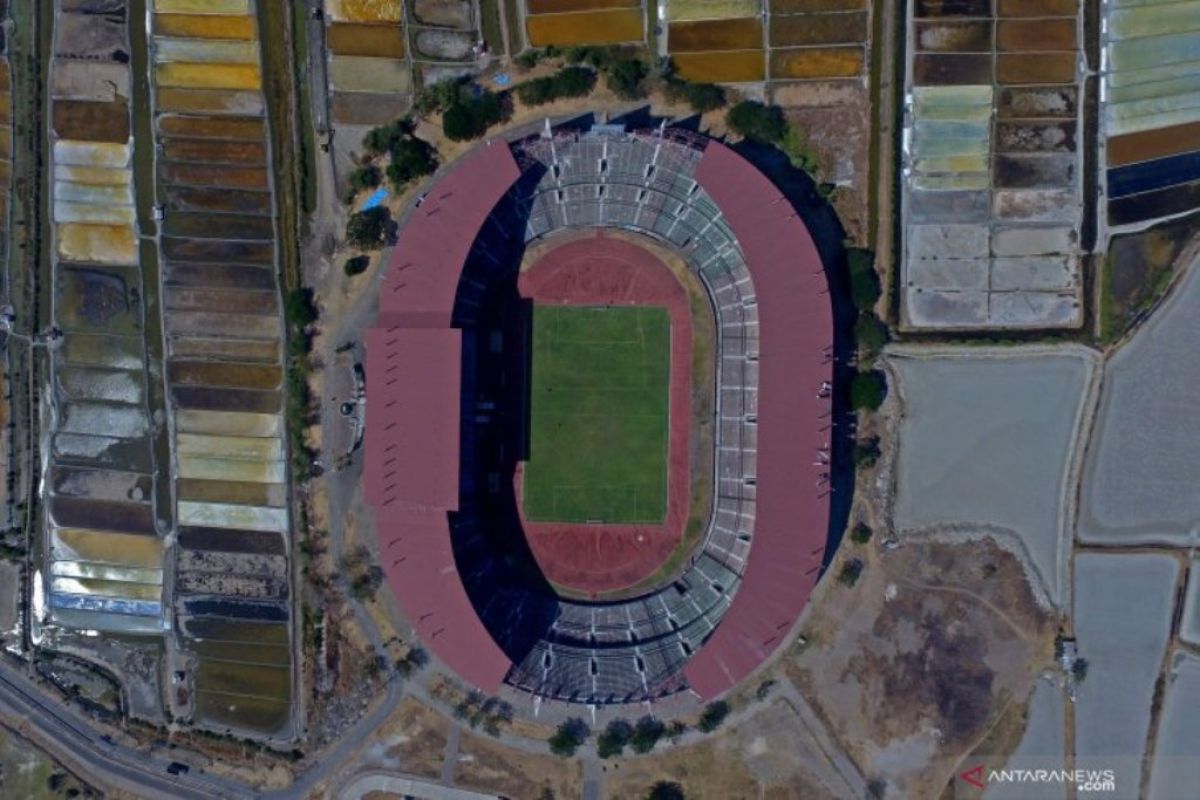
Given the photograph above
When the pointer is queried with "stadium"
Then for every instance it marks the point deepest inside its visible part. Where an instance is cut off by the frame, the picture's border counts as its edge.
(598, 414)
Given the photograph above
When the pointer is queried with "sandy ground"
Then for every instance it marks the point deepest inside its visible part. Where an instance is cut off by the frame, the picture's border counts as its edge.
(914, 665)
(487, 766)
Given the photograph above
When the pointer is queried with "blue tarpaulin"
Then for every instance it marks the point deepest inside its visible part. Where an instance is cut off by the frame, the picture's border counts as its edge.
(375, 199)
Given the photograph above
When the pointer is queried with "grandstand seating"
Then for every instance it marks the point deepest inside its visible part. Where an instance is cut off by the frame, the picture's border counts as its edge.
(632, 650)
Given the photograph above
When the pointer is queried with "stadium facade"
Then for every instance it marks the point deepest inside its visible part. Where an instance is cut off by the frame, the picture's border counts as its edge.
(445, 419)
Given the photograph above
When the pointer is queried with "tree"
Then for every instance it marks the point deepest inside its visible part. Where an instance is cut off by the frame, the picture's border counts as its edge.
(356, 265)
(666, 790)
(868, 390)
(365, 177)
(438, 97)
(754, 120)
(299, 308)
(470, 118)
(412, 158)
(626, 78)
(1079, 669)
(369, 229)
(568, 82)
(861, 533)
(870, 333)
(614, 738)
(646, 733)
(571, 734)
(850, 572)
(864, 281)
(713, 715)
(867, 452)
(704, 97)
(380, 140)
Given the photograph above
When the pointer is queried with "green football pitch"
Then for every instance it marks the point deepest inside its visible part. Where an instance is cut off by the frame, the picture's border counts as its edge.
(599, 429)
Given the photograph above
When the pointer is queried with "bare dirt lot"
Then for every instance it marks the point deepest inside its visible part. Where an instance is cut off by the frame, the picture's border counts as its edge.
(917, 662)
(487, 766)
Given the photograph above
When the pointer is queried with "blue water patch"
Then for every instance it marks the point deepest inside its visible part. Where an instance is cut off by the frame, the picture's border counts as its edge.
(376, 198)
(1151, 175)
(237, 609)
(112, 605)
(501, 79)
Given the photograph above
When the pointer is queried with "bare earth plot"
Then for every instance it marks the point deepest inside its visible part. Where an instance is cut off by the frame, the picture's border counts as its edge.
(1140, 478)
(1122, 623)
(986, 443)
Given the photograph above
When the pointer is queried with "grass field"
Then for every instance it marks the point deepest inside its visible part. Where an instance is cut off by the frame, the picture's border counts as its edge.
(600, 423)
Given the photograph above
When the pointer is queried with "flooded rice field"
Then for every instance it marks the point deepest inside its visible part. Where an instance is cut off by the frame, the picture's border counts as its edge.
(1122, 611)
(1178, 740)
(992, 152)
(1151, 108)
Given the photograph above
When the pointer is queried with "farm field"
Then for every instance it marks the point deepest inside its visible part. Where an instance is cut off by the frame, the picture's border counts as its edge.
(1122, 624)
(599, 415)
(719, 42)
(1175, 763)
(605, 26)
(985, 443)
(994, 198)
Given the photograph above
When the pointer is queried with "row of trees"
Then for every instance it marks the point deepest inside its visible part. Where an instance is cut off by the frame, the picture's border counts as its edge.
(641, 736)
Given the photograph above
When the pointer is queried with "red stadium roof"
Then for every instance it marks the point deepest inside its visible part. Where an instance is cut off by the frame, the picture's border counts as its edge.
(423, 271)
(414, 373)
(792, 511)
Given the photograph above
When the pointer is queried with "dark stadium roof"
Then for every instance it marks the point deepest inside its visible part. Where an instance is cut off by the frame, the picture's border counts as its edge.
(795, 327)
(414, 373)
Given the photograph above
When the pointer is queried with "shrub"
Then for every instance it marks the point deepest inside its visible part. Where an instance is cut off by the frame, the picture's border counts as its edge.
(646, 733)
(470, 118)
(864, 281)
(713, 715)
(870, 333)
(795, 144)
(299, 308)
(612, 742)
(412, 158)
(356, 265)
(850, 572)
(861, 533)
(380, 140)
(666, 790)
(626, 78)
(438, 97)
(1079, 669)
(866, 452)
(868, 390)
(370, 229)
(754, 120)
(365, 177)
(528, 59)
(571, 734)
(568, 82)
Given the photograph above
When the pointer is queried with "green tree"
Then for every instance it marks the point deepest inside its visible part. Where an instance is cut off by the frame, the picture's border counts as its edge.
(470, 118)
(861, 533)
(438, 97)
(412, 158)
(870, 333)
(867, 452)
(704, 97)
(380, 140)
(356, 265)
(299, 308)
(567, 82)
(868, 390)
(614, 738)
(646, 733)
(365, 177)
(369, 229)
(713, 715)
(754, 120)
(666, 790)
(864, 281)
(850, 572)
(626, 78)
(571, 734)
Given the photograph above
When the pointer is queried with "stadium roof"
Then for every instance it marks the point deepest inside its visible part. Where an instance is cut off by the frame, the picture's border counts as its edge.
(795, 328)
(414, 374)
(425, 265)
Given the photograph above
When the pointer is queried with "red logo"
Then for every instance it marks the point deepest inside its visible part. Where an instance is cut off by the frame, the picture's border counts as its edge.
(974, 776)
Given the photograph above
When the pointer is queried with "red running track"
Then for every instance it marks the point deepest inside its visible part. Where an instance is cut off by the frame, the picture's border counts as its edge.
(602, 270)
